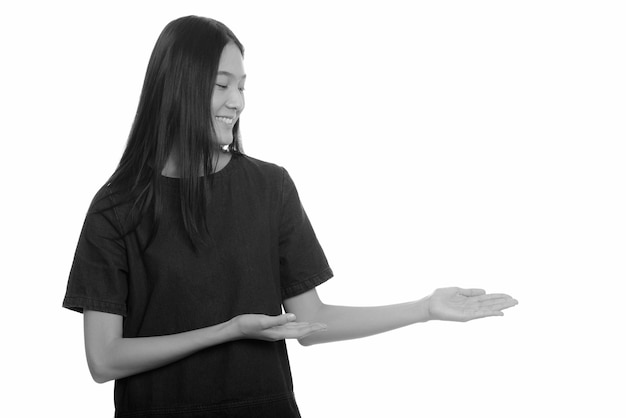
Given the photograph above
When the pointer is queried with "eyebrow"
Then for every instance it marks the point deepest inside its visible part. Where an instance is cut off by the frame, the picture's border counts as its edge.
(229, 74)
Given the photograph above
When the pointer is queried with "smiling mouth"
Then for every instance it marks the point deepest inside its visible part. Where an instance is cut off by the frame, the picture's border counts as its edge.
(225, 120)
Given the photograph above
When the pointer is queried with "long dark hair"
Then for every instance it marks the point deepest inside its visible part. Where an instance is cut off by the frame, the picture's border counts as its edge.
(175, 112)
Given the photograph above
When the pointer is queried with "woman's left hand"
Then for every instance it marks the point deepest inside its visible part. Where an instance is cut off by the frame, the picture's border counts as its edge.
(456, 304)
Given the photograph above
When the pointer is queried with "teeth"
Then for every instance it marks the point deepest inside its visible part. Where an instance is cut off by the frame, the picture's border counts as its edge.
(228, 121)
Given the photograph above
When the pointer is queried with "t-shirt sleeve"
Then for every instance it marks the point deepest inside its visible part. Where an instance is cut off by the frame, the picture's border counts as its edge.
(303, 264)
(98, 277)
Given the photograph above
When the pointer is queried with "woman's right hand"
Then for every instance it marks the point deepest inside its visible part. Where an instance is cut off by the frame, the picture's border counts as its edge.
(273, 328)
(111, 356)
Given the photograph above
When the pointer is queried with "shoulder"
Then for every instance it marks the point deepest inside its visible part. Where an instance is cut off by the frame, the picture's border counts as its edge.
(262, 169)
(107, 206)
(260, 165)
(103, 199)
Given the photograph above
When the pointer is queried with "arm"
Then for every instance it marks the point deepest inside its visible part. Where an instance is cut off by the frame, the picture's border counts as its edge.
(348, 322)
(344, 322)
(110, 356)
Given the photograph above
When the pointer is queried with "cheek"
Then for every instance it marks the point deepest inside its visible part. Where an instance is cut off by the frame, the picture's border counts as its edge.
(216, 102)
(214, 109)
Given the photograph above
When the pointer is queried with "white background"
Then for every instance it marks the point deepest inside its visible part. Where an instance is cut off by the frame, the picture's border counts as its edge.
(451, 143)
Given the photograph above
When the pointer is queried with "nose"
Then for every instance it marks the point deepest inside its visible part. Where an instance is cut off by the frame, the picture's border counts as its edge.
(235, 100)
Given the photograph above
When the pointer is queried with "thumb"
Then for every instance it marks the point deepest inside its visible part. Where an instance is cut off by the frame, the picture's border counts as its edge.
(283, 319)
(471, 292)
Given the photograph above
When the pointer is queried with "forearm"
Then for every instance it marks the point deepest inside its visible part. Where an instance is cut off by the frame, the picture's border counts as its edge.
(347, 322)
(122, 357)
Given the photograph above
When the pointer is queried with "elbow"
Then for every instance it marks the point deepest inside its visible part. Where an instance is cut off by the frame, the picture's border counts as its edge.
(304, 342)
(308, 341)
(99, 375)
(98, 370)
(98, 378)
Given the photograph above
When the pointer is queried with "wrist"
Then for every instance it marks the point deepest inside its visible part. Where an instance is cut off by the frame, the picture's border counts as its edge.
(231, 330)
(423, 309)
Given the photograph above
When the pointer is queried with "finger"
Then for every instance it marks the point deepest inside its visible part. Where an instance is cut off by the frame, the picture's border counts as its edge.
(503, 305)
(494, 302)
(491, 296)
(471, 292)
(484, 313)
(492, 310)
(275, 321)
(308, 327)
(298, 330)
(312, 329)
(295, 325)
(299, 325)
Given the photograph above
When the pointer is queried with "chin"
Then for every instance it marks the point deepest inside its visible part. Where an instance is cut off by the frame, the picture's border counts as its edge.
(224, 142)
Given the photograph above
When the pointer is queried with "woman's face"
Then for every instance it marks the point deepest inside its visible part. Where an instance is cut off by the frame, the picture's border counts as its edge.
(227, 102)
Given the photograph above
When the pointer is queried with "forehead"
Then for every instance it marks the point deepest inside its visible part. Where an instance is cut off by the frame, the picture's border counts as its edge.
(231, 61)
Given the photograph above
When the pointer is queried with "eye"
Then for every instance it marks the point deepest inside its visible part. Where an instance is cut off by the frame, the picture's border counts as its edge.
(242, 89)
(220, 85)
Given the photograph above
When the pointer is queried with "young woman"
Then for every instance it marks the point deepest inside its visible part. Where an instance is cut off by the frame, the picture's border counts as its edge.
(191, 250)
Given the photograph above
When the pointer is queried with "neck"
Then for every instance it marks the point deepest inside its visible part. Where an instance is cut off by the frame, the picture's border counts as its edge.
(220, 159)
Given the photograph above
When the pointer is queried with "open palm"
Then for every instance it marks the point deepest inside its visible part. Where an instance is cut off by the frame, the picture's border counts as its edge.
(456, 304)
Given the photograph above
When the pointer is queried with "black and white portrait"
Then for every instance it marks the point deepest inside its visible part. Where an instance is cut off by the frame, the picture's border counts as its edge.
(475, 146)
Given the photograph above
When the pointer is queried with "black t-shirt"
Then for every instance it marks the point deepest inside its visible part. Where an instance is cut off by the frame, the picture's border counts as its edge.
(262, 250)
